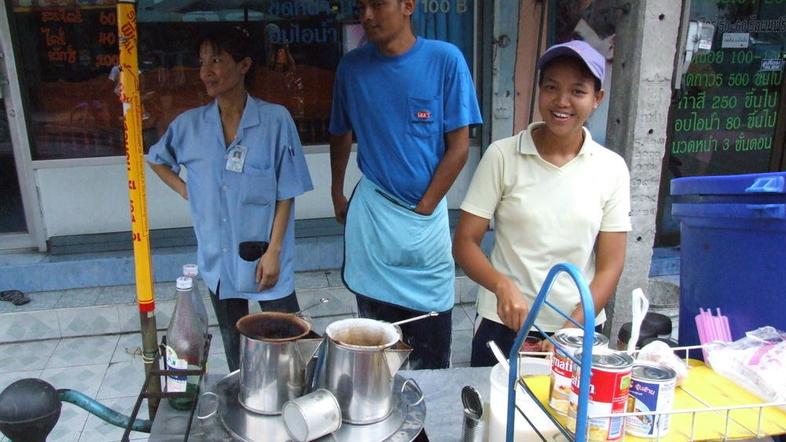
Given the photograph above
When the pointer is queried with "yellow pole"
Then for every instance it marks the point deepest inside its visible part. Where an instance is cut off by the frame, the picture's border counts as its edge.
(132, 128)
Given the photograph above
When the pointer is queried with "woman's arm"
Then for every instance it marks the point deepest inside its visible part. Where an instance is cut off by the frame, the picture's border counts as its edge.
(511, 307)
(170, 178)
(269, 265)
(609, 260)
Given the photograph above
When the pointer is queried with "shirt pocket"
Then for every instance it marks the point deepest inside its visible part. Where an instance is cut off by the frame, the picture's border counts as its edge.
(422, 117)
(246, 275)
(258, 186)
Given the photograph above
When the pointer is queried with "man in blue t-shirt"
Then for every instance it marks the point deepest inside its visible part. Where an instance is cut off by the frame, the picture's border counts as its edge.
(410, 102)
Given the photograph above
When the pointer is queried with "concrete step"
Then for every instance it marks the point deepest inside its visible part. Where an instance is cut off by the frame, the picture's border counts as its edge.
(37, 272)
(99, 260)
(113, 309)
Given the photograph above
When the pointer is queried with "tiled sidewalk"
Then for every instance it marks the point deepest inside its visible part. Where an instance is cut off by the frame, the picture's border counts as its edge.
(107, 366)
(113, 309)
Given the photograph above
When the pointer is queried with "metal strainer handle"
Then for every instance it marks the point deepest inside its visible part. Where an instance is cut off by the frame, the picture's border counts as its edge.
(201, 416)
(414, 387)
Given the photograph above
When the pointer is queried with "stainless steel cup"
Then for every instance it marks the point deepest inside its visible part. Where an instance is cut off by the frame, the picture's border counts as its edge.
(275, 349)
(312, 416)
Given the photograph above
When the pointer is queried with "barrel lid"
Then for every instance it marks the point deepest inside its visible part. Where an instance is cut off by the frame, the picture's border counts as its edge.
(609, 359)
(652, 372)
(746, 184)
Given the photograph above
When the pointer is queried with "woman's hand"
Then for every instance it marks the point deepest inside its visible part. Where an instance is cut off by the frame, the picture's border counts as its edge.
(268, 270)
(511, 306)
(171, 179)
(183, 191)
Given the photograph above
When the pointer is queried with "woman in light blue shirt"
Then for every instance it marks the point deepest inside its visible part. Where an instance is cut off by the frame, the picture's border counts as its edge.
(245, 167)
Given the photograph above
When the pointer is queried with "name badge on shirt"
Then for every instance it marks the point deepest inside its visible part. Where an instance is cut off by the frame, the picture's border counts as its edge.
(236, 157)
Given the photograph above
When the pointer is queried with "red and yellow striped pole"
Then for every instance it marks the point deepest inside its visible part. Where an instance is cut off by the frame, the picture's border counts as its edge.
(132, 128)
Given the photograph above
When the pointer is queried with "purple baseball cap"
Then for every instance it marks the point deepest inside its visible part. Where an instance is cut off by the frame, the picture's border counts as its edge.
(595, 62)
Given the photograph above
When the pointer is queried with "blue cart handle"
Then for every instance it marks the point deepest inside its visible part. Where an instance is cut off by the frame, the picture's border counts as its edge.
(586, 355)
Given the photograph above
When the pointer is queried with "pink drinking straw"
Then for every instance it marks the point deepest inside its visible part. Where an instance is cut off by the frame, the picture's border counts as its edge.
(716, 330)
(700, 327)
(726, 328)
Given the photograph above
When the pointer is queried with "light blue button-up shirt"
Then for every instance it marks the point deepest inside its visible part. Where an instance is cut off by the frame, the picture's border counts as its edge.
(229, 207)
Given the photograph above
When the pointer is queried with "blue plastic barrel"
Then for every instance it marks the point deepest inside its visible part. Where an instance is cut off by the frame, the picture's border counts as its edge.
(733, 250)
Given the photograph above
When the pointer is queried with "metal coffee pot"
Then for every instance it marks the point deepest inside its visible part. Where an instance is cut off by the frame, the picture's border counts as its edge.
(276, 360)
(363, 356)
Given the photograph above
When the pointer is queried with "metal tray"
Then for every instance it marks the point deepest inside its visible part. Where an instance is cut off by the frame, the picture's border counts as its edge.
(403, 424)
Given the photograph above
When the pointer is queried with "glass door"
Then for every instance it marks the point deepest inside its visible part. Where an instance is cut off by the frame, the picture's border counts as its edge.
(20, 219)
(12, 213)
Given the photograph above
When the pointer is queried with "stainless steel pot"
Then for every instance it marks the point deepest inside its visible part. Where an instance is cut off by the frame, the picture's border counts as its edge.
(275, 350)
(363, 356)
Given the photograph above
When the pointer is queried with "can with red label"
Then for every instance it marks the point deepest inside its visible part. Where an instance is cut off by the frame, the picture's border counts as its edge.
(568, 341)
(609, 386)
(651, 390)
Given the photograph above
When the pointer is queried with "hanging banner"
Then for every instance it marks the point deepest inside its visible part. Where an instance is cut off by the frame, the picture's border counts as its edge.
(132, 128)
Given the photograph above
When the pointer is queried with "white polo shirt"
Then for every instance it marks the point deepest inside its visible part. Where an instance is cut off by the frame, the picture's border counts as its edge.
(544, 215)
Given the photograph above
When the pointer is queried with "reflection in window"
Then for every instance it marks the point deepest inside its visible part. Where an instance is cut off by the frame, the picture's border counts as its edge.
(723, 117)
(68, 58)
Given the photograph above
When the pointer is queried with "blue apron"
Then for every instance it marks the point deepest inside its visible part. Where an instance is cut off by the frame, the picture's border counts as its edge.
(395, 255)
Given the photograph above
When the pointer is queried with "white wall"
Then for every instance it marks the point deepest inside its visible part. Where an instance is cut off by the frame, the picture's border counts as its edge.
(79, 198)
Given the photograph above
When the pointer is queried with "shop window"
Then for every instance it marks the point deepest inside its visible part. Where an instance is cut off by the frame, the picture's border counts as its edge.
(595, 23)
(723, 118)
(67, 54)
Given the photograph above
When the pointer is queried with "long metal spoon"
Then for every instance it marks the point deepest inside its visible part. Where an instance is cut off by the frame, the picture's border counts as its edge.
(427, 315)
(320, 302)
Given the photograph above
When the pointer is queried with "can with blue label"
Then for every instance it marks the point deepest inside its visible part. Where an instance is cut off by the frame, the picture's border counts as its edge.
(651, 391)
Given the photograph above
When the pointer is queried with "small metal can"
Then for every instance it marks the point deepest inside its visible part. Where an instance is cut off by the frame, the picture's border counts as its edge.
(651, 390)
(312, 416)
(570, 340)
(609, 386)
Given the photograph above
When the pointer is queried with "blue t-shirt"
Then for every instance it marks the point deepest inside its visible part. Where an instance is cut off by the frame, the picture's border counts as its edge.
(231, 206)
(400, 109)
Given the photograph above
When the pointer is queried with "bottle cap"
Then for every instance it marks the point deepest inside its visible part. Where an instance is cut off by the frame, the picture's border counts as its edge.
(190, 270)
(184, 283)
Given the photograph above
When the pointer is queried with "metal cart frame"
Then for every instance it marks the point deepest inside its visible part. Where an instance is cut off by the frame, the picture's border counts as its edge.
(585, 367)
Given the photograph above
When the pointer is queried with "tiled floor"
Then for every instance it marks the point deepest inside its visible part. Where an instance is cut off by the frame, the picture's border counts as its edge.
(109, 369)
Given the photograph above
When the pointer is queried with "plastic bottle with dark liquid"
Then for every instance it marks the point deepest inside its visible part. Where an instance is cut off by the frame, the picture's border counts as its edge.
(185, 344)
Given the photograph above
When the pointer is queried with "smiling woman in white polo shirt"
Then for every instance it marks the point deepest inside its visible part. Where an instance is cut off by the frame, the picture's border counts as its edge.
(555, 196)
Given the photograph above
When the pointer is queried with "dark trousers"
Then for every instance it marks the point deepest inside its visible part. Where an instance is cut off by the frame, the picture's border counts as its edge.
(229, 311)
(428, 337)
(502, 336)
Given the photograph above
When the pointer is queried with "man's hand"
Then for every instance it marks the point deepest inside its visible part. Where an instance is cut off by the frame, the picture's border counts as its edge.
(340, 207)
(511, 306)
(422, 209)
(268, 270)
